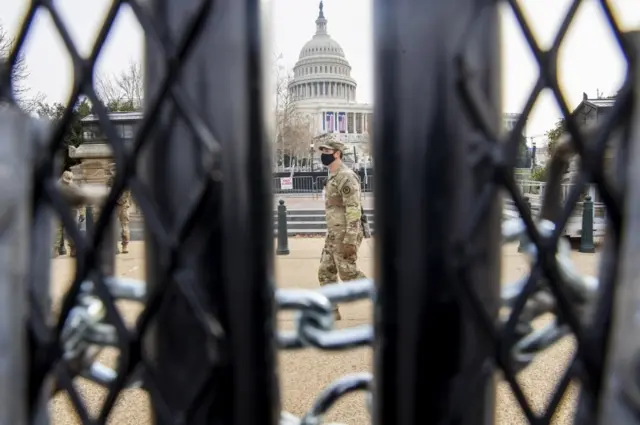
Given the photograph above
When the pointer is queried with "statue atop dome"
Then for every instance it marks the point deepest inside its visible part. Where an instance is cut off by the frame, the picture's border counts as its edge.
(321, 22)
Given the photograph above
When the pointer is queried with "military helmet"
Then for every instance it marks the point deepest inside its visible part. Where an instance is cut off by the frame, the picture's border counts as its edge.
(333, 144)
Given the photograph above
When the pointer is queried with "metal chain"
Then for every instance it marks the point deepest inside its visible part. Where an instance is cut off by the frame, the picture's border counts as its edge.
(85, 332)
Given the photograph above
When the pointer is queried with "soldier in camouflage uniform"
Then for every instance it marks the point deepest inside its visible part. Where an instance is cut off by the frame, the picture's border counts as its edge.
(122, 212)
(343, 212)
(66, 179)
(123, 216)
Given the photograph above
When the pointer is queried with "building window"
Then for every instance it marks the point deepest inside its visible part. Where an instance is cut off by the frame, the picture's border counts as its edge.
(93, 133)
(350, 122)
(127, 131)
(315, 70)
(358, 122)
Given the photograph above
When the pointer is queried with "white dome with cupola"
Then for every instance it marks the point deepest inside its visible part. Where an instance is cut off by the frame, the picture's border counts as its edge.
(323, 89)
(322, 70)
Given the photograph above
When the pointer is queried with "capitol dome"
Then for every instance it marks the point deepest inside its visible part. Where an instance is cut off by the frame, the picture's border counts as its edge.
(320, 45)
(322, 70)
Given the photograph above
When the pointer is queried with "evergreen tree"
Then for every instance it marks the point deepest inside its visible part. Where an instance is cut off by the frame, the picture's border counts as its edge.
(73, 132)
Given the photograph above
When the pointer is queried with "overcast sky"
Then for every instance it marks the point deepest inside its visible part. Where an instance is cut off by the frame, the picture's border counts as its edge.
(590, 60)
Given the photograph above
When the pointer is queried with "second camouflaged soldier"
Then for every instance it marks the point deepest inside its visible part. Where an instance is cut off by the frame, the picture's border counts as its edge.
(343, 209)
(66, 179)
(123, 216)
(122, 212)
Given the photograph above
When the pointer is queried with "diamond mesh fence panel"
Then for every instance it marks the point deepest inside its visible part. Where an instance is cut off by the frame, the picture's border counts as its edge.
(204, 346)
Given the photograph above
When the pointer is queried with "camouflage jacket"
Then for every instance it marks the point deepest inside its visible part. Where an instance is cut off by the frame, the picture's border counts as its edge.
(125, 199)
(343, 205)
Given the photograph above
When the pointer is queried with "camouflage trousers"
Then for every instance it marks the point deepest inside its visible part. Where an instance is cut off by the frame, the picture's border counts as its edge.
(122, 213)
(59, 240)
(333, 263)
(123, 217)
(60, 235)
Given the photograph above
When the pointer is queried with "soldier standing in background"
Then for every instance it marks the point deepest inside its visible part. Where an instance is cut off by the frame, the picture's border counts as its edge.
(343, 213)
(122, 212)
(66, 179)
(124, 202)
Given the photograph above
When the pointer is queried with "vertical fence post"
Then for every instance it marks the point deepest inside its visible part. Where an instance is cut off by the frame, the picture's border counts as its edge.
(227, 257)
(619, 400)
(586, 235)
(40, 260)
(432, 363)
(15, 238)
(283, 232)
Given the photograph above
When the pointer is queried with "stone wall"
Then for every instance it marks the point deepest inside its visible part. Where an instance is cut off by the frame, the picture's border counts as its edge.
(91, 171)
(96, 165)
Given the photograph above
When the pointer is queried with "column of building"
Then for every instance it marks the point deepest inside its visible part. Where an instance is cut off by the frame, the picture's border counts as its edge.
(324, 89)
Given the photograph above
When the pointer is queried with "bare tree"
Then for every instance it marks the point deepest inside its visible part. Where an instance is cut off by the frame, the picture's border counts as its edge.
(131, 83)
(293, 127)
(281, 99)
(123, 92)
(19, 74)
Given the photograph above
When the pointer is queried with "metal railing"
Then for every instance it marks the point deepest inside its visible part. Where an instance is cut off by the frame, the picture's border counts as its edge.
(204, 346)
(309, 184)
(528, 187)
(301, 184)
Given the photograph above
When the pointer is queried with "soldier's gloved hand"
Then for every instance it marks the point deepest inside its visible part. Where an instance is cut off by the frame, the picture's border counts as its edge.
(349, 250)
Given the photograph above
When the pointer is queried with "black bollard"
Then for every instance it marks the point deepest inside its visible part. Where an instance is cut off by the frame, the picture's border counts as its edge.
(524, 239)
(283, 235)
(586, 235)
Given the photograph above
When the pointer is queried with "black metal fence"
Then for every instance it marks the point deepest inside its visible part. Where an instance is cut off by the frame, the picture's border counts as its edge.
(204, 346)
(310, 184)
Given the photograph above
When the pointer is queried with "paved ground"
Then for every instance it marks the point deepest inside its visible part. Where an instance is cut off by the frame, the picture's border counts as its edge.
(303, 374)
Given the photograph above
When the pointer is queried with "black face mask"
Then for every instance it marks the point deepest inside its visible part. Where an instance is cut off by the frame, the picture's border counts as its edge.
(327, 158)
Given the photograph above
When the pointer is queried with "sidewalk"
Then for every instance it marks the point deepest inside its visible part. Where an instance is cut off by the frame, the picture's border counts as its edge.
(304, 373)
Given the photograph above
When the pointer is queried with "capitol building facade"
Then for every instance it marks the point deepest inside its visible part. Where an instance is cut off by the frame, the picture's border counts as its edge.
(323, 89)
